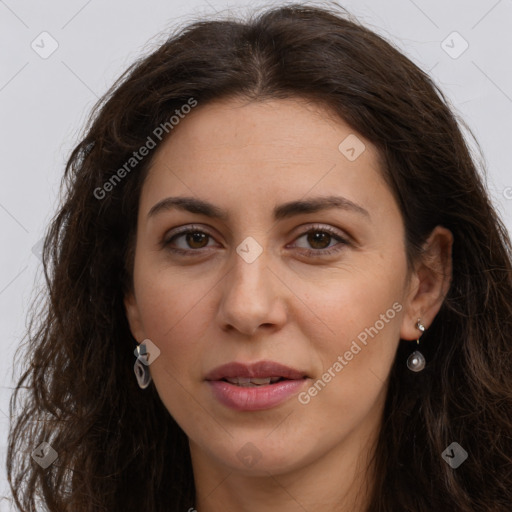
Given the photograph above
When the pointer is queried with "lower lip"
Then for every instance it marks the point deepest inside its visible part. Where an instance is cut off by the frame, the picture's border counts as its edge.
(255, 398)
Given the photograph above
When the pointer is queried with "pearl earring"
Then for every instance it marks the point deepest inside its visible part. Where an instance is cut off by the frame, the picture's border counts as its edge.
(416, 361)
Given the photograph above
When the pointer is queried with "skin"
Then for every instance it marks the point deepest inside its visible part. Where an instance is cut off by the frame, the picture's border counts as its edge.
(211, 307)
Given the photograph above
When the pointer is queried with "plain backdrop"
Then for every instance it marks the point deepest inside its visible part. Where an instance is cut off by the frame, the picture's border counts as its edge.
(59, 56)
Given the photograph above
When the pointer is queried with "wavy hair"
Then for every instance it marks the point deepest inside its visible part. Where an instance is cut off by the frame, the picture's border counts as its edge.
(118, 447)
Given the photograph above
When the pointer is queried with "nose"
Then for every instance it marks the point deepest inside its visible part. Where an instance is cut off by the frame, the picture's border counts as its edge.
(252, 297)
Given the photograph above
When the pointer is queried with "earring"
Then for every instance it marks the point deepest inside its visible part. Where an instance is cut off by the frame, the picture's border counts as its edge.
(141, 366)
(416, 361)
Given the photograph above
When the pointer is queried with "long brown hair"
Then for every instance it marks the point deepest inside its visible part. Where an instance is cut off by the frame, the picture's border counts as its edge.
(118, 447)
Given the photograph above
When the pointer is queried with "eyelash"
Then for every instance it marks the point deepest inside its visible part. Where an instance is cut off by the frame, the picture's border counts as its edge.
(309, 252)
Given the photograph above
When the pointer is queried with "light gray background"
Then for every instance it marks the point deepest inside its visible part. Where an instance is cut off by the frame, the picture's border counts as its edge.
(44, 103)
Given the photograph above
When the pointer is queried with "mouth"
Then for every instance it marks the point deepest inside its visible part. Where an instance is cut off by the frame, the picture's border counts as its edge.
(247, 382)
(262, 373)
(255, 387)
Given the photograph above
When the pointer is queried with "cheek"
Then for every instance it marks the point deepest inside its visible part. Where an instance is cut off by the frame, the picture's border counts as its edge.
(363, 311)
(173, 319)
(168, 299)
(357, 337)
(351, 302)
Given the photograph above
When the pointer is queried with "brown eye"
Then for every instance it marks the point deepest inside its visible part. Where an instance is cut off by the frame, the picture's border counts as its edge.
(319, 241)
(187, 241)
(196, 239)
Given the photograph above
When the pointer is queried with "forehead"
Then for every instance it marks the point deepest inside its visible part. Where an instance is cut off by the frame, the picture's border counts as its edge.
(302, 129)
(288, 146)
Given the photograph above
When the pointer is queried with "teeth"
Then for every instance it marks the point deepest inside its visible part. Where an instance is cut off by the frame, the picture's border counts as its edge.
(248, 382)
(261, 380)
(239, 380)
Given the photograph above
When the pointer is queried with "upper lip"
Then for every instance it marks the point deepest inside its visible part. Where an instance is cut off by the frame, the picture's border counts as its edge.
(260, 369)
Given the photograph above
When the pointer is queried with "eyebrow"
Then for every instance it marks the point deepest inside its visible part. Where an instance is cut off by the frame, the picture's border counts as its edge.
(283, 211)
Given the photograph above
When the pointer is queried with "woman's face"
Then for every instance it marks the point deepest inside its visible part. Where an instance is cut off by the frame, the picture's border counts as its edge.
(320, 289)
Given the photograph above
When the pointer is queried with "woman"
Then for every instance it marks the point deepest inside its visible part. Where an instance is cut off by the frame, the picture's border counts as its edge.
(276, 282)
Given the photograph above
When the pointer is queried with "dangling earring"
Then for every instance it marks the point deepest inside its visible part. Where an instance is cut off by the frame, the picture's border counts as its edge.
(141, 366)
(416, 361)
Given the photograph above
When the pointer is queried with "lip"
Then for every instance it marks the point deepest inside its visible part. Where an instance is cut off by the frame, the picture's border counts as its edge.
(257, 370)
(255, 398)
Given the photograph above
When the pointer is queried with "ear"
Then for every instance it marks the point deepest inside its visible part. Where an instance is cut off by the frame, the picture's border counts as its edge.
(133, 316)
(429, 283)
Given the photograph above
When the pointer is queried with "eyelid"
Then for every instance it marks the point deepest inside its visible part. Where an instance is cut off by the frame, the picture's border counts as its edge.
(175, 232)
(342, 239)
(336, 232)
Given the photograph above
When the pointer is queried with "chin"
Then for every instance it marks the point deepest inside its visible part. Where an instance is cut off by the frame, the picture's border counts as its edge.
(261, 457)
